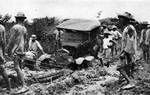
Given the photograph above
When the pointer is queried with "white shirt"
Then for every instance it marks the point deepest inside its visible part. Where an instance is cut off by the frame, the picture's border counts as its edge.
(112, 34)
(106, 42)
(33, 46)
(117, 34)
(129, 44)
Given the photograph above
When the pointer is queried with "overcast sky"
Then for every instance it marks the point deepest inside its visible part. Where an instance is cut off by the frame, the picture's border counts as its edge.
(76, 8)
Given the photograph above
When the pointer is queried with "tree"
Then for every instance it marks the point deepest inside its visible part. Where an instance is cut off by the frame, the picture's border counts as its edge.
(109, 21)
(44, 29)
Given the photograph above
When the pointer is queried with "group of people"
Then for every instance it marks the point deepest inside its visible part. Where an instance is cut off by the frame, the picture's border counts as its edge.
(110, 44)
(15, 48)
(128, 49)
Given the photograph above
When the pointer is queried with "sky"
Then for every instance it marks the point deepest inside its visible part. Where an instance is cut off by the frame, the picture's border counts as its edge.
(86, 9)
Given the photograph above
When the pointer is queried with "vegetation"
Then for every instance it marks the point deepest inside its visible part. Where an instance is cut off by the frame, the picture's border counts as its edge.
(44, 29)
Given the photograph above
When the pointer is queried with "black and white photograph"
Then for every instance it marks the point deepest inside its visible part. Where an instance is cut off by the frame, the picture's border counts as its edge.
(74, 47)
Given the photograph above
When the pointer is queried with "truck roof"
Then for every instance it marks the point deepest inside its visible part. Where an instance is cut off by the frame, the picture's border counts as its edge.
(79, 24)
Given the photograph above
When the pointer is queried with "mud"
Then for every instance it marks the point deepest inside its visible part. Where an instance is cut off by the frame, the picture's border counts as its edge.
(95, 80)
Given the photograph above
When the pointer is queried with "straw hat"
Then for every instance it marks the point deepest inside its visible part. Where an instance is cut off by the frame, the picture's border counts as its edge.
(20, 15)
(104, 25)
(110, 27)
(34, 36)
(114, 27)
(126, 15)
(107, 33)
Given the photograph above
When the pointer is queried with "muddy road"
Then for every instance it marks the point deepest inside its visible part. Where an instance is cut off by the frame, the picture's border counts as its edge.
(95, 80)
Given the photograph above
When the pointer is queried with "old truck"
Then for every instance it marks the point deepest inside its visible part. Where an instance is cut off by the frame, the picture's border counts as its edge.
(78, 39)
(79, 36)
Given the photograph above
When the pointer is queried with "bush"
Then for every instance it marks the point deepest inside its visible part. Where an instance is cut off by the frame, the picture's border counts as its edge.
(44, 29)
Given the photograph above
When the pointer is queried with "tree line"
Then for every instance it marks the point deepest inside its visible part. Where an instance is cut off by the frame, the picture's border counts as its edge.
(44, 29)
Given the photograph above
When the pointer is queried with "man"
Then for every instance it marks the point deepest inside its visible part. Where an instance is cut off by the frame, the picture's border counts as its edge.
(2, 59)
(147, 41)
(34, 45)
(104, 29)
(143, 45)
(16, 47)
(101, 36)
(107, 46)
(58, 34)
(117, 36)
(129, 48)
(111, 37)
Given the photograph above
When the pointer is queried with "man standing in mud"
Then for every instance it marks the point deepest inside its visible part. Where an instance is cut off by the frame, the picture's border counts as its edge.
(143, 45)
(2, 52)
(16, 47)
(129, 48)
(147, 41)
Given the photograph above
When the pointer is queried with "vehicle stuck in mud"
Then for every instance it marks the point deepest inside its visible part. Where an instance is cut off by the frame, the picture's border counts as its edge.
(79, 36)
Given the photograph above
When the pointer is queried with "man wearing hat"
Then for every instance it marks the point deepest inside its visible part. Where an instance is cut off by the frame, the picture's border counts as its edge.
(104, 28)
(2, 52)
(143, 45)
(117, 37)
(16, 47)
(34, 45)
(129, 48)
